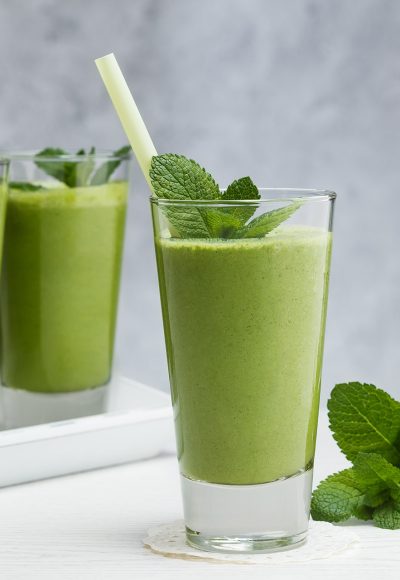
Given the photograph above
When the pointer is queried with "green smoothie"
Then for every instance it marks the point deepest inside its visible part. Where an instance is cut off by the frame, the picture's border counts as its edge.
(59, 290)
(244, 325)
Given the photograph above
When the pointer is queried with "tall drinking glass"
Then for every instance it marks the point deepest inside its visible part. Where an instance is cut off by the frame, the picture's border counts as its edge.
(59, 290)
(244, 324)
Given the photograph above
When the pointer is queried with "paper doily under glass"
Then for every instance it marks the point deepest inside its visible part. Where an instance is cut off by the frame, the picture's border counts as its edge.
(324, 541)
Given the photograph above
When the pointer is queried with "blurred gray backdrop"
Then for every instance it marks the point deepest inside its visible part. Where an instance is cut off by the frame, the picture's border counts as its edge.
(300, 93)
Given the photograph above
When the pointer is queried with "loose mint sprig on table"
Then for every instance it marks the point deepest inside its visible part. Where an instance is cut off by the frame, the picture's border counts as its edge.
(175, 177)
(73, 173)
(365, 422)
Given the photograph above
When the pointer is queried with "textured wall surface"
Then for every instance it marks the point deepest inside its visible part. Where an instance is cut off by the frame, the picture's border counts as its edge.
(301, 93)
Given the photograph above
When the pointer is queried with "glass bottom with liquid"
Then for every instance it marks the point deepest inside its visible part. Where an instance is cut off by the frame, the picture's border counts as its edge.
(247, 518)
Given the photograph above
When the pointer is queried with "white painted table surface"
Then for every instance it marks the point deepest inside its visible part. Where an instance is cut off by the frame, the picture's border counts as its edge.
(91, 526)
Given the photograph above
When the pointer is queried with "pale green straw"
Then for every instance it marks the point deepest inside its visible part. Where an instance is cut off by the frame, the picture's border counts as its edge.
(128, 113)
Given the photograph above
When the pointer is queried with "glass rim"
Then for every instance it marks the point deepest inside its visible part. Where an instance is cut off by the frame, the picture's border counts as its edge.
(29, 155)
(294, 195)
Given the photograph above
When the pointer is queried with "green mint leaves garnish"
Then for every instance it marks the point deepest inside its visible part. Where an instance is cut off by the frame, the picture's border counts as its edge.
(365, 419)
(242, 188)
(75, 173)
(177, 178)
(365, 422)
(72, 173)
(267, 222)
(24, 186)
(337, 497)
(79, 173)
(104, 172)
(387, 516)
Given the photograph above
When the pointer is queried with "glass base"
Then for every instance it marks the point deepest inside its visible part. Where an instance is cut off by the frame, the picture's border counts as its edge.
(256, 544)
(25, 408)
(247, 518)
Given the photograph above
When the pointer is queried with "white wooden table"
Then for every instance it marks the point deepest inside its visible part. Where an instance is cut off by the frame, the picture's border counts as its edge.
(91, 525)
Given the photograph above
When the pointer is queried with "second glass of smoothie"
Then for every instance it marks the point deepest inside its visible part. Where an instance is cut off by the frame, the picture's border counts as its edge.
(59, 290)
(244, 328)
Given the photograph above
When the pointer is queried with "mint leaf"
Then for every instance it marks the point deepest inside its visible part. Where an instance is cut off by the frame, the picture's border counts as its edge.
(224, 222)
(104, 172)
(338, 497)
(60, 170)
(24, 186)
(363, 512)
(242, 188)
(221, 224)
(365, 422)
(387, 516)
(265, 223)
(379, 475)
(189, 222)
(72, 173)
(175, 177)
(77, 173)
(84, 169)
(364, 418)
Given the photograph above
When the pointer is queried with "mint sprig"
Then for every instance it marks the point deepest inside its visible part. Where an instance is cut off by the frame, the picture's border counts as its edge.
(75, 173)
(24, 186)
(365, 422)
(72, 173)
(387, 516)
(337, 498)
(365, 419)
(266, 222)
(242, 188)
(177, 178)
(174, 177)
(104, 172)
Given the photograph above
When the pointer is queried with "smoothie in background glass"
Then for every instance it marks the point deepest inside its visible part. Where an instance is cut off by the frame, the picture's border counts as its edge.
(59, 291)
(244, 326)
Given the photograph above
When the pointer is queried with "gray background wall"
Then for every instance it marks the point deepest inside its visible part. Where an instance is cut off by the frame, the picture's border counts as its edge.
(293, 92)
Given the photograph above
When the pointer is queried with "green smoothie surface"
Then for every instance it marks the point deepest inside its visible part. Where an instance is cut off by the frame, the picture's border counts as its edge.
(244, 325)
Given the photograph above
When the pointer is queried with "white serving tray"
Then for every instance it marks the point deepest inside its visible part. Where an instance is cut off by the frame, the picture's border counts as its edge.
(137, 425)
